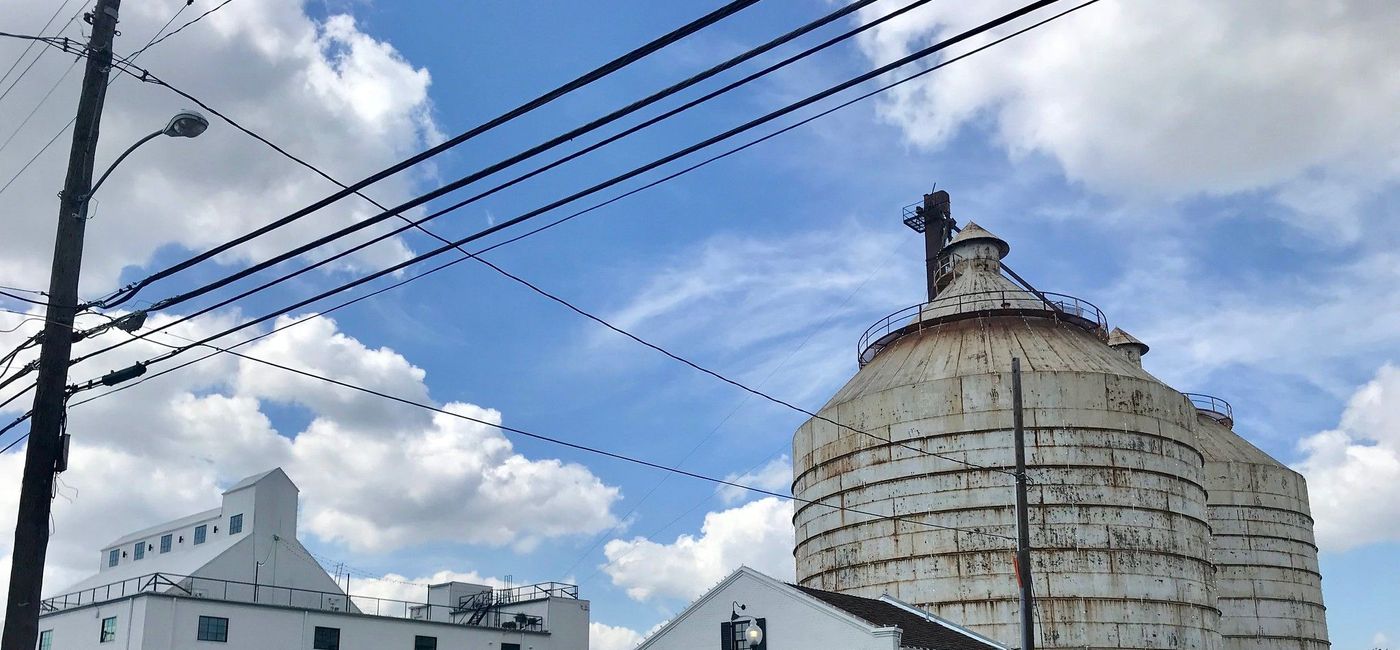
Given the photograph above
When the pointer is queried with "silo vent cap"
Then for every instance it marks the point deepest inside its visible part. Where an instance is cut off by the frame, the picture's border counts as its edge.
(1118, 338)
(973, 232)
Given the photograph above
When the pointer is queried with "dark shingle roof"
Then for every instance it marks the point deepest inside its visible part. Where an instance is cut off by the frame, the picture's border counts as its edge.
(917, 632)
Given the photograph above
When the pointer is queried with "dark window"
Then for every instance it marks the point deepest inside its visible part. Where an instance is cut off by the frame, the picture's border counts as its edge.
(235, 524)
(735, 635)
(213, 628)
(109, 630)
(46, 640)
(139, 551)
(199, 532)
(164, 543)
(328, 638)
(426, 643)
(510, 646)
(113, 556)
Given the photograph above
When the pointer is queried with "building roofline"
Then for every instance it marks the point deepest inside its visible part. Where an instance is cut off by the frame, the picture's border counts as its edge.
(934, 618)
(238, 603)
(777, 585)
(169, 526)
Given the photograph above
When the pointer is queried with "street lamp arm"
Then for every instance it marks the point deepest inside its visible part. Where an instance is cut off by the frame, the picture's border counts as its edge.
(119, 161)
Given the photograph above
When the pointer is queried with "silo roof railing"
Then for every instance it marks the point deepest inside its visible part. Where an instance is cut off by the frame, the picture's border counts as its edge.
(913, 319)
(1212, 407)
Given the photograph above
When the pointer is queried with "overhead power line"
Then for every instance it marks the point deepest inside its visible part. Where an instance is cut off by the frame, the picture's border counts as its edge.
(66, 46)
(562, 138)
(561, 220)
(500, 165)
(586, 448)
(158, 38)
(600, 72)
(751, 124)
(33, 40)
(716, 374)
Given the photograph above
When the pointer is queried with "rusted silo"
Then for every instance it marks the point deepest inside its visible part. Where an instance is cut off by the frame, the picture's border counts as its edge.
(1267, 577)
(1118, 507)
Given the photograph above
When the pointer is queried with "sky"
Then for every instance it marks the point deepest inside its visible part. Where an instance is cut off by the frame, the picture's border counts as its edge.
(1220, 178)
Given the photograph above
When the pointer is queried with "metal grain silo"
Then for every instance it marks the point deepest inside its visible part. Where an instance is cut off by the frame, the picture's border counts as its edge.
(1118, 509)
(1267, 578)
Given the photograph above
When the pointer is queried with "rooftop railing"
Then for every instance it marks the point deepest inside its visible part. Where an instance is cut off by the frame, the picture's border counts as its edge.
(486, 613)
(942, 309)
(1213, 407)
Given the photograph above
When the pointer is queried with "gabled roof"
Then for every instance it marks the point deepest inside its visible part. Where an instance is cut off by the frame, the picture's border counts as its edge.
(176, 524)
(918, 630)
(249, 481)
(181, 563)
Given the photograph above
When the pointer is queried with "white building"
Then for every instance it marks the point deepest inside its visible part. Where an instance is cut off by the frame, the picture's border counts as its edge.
(236, 577)
(789, 617)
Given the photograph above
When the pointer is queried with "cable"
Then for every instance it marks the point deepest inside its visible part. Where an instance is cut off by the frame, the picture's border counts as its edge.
(93, 383)
(154, 40)
(613, 181)
(581, 447)
(81, 50)
(744, 400)
(32, 40)
(597, 73)
(58, 82)
(648, 344)
(635, 338)
(594, 207)
(562, 138)
(23, 299)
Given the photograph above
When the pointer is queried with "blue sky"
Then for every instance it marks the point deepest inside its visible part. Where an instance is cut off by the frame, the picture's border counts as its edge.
(1224, 201)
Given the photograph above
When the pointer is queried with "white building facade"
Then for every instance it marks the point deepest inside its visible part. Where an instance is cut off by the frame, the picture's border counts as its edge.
(789, 617)
(237, 577)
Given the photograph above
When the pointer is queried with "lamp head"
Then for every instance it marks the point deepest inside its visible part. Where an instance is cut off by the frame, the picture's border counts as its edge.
(186, 124)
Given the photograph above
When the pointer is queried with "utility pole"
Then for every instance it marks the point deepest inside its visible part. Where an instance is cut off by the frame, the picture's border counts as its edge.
(47, 450)
(1023, 529)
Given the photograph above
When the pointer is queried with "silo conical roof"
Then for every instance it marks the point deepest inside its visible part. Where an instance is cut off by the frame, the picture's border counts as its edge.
(974, 232)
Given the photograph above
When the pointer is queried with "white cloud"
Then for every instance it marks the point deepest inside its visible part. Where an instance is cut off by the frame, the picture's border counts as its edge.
(609, 637)
(171, 442)
(757, 534)
(326, 92)
(392, 586)
(1173, 99)
(775, 476)
(1380, 640)
(1348, 465)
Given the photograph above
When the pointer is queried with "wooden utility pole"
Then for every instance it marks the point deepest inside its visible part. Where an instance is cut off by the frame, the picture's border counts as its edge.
(47, 451)
(1023, 530)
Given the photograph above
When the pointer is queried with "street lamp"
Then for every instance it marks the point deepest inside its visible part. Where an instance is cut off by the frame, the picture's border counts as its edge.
(185, 124)
(752, 632)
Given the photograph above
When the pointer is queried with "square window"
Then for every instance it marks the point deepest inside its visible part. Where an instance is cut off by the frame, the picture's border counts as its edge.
(326, 638)
(164, 543)
(113, 556)
(109, 630)
(510, 646)
(46, 640)
(139, 551)
(235, 524)
(199, 534)
(213, 628)
(424, 643)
